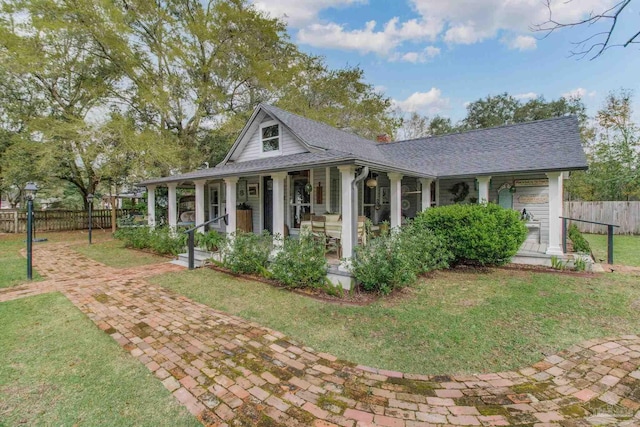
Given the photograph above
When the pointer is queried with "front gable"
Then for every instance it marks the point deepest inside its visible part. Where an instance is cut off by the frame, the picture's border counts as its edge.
(265, 136)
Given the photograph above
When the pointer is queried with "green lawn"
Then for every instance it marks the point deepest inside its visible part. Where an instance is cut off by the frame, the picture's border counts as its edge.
(626, 249)
(13, 270)
(114, 254)
(454, 322)
(57, 368)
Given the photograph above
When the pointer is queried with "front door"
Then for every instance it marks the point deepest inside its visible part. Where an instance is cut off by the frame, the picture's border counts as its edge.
(267, 207)
(505, 198)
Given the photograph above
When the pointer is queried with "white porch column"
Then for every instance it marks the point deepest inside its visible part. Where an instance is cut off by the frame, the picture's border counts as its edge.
(348, 175)
(483, 189)
(200, 203)
(425, 183)
(230, 192)
(555, 212)
(172, 207)
(278, 205)
(151, 205)
(396, 199)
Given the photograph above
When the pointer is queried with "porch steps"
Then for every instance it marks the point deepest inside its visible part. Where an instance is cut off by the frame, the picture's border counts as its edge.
(200, 258)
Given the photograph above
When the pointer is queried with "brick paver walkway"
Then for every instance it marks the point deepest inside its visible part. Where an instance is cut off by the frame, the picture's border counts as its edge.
(228, 371)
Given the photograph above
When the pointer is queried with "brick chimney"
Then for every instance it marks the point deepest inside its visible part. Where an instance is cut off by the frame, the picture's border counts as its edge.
(384, 138)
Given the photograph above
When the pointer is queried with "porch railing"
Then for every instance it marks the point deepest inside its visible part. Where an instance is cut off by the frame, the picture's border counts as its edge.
(609, 235)
(191, 237)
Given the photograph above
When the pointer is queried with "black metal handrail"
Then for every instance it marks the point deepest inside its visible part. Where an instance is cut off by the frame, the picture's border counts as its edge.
(609, 235)
(191, 237)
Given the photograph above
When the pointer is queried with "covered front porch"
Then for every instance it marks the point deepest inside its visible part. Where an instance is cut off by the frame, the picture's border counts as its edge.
(283, 202)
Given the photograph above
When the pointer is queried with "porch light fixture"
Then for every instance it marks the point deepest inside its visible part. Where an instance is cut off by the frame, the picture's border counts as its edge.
(372, 183)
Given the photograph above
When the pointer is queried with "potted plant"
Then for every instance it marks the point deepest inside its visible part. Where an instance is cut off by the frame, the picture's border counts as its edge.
(211, 240)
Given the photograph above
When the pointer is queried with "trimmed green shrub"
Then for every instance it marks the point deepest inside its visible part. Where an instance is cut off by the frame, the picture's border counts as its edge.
(211, 240)
(300, 263)
(247, 253)
(425, 250)
(160, 240)
(485, 234)
(382, 265)
(134, 237)
(394, 260)
(167, 242)
(580, 244)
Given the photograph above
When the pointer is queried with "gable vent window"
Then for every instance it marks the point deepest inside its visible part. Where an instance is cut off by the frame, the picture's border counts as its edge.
(270, 138)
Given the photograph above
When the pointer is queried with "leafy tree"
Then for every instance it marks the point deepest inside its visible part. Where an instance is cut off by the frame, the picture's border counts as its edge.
(441, 125)
(187, 64)
(19, 165)
(505, 109)
(490, 111)
(417, 126)
(614, 154)
(339, 98)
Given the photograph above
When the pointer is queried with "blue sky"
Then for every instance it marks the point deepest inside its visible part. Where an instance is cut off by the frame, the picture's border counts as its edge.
(433, 56)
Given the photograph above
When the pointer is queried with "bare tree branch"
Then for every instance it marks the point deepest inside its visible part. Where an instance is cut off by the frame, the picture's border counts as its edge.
(596, 44)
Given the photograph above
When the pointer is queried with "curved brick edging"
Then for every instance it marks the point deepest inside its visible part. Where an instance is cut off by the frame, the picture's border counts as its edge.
(229, 371)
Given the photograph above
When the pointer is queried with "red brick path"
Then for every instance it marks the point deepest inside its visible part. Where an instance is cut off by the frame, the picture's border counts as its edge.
(228, 371)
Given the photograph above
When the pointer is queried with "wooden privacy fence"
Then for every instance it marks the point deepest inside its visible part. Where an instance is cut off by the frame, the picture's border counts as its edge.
(624, 214)
(15, 221)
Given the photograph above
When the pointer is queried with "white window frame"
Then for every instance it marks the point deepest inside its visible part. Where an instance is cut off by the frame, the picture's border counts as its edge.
(292, 203)
(273, 152)
(212, 188)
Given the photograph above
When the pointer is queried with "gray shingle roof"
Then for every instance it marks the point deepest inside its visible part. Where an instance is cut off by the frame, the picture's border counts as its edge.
(273, 164)
(543, 145)
(321, 135)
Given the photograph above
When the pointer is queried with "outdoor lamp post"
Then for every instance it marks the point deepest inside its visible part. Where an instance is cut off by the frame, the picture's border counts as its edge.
(90, 201)
(30, 191)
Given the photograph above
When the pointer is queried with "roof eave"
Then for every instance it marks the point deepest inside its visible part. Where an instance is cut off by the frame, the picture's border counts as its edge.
(516, 171)
(312, 164)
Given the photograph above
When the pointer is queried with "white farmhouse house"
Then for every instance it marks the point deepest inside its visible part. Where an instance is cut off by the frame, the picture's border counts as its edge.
(286, 167)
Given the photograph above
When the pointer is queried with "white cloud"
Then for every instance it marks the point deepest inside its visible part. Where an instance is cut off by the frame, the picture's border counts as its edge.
(472, 21)
(528, 95)
(367, 39)
(430, 102)
(300, 12)
(422, 56)
(448, 21)
(521, 43)
(579, 93)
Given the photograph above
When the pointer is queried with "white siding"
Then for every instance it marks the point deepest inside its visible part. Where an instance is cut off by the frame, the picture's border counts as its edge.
(540, 211)
(254, 202)
(319, 176)
(446, 198)
(289, 144)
